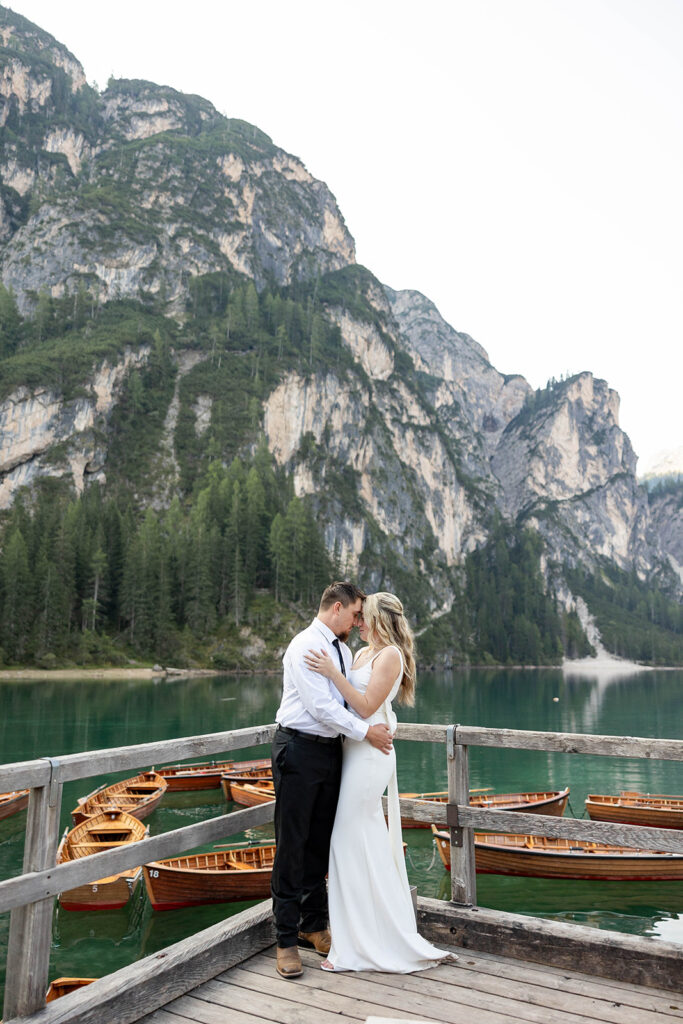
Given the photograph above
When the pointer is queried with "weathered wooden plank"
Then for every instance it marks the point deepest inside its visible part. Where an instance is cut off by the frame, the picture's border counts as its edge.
(87, 763)
(533, 1003)
(30, 931)
(315, 991)
(199, 1011)
(570, 983)
(421, 732)
(613, 989)
(164, 1017)
(278, 999)
(638, 836)
(134, 991)
(258, 974)
(40, 885)
(484, 819)
(463, 870)
(423, 998)
(24, 774)
(610, 954)
(619, 991)
(570, 742)
(533, 994)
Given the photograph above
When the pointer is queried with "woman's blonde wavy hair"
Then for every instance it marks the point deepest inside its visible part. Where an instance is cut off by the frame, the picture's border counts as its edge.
(383, 614)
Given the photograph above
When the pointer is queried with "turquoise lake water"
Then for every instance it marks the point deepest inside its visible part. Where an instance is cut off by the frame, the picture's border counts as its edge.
(51, 718)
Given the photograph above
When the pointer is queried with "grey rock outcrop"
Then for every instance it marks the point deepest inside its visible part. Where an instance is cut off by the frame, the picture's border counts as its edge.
(666, 516)
(44, 434)
(144, 188)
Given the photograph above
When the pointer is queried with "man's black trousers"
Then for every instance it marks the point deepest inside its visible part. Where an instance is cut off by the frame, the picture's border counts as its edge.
(306, 774)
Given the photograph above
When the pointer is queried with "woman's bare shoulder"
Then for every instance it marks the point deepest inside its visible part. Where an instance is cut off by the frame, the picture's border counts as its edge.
(389, 656)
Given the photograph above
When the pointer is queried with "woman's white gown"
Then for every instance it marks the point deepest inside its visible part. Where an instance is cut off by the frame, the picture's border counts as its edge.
(371, 913)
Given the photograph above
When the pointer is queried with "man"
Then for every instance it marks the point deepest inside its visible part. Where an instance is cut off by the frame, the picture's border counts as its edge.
(307, 756)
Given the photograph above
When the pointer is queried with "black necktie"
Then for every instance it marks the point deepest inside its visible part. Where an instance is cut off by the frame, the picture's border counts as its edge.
(335, 643)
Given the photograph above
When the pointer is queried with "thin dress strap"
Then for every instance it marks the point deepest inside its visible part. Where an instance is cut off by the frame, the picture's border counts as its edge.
(389, 647)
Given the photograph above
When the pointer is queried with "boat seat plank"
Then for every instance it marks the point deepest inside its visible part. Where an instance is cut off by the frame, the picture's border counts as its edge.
(108, 843)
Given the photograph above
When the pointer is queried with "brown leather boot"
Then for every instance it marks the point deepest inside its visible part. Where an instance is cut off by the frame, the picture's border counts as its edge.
(289, 962)
(319, 941)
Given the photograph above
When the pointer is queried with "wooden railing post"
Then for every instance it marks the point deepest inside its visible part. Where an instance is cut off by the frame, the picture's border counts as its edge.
(30, 930)
(463, 871)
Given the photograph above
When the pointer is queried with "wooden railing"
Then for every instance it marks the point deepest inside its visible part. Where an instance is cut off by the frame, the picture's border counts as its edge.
(463, 819)
(30, 896)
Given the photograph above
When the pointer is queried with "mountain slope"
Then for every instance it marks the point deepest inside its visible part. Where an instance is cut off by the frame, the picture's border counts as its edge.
(178, 292)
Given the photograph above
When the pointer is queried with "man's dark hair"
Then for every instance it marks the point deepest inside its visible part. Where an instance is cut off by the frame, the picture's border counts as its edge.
(347, 593)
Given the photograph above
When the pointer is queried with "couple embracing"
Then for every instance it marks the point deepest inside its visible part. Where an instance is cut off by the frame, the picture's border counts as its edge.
(328, 809)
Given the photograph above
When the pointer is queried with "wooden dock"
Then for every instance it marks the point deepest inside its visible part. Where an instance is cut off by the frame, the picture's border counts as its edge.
(481, 989)
(511, 967)
(226, 975)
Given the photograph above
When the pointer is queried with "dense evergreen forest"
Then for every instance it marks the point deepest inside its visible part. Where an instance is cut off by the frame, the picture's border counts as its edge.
(504, 613)
(223, 571)
(637, 620)
(87, 580)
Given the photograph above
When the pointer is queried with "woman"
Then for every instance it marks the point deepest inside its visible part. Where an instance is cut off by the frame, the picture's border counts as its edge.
(371, 913)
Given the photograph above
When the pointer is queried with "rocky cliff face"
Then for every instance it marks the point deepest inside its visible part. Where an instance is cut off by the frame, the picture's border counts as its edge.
(474, 400)
(567, 465)
(666, 519)
(407, 448)
(43, 434)
(139, 189)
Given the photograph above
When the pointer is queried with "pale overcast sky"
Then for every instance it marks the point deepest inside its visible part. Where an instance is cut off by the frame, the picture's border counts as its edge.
(518, 161)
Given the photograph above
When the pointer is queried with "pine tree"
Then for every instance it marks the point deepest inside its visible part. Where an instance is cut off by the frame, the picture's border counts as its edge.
(276, 544)
(10, 322)
(17, 604)
(251, 308)
(44, 315)
(256, 562)
(98, 567)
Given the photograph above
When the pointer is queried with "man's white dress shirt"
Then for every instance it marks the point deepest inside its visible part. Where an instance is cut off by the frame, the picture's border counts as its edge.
(311, 702)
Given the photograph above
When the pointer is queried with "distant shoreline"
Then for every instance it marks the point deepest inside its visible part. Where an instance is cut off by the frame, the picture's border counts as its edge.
(37, 674)
(602, 666)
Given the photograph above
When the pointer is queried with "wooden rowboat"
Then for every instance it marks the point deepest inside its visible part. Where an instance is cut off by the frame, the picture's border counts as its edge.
(106, 831)
(249, 794)
(550, 802)
(137, 796)
(207, 774)
(637, 809)
(62, 986)
(203, 775)
(224, 876)
(261, 770)
(11, 803)
(546, 857)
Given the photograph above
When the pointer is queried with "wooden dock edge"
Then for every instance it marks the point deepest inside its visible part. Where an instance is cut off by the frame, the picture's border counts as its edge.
(131, 993)
(605, 954)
